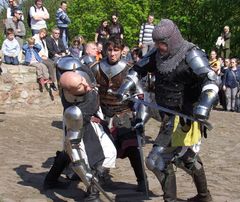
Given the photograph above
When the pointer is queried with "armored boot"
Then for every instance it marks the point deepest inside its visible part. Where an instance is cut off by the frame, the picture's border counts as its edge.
(93, 195)
(61, 161)
(200, 181)
(167, 180)
(135, 160)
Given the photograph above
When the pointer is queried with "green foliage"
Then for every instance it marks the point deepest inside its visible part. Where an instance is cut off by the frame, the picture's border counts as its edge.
(200, 21)
(86, 17)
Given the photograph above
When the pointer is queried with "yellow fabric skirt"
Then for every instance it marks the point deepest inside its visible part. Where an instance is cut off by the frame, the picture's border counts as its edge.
(181, 138)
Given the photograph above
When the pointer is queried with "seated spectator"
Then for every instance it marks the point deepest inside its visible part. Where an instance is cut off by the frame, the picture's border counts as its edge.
(76, 48)
(38, 14)
(89, 58)
(10, 48)
(56, 48)
(32, 57)
(126, 55)
(100, 54)
(40, 39)
(17, 25)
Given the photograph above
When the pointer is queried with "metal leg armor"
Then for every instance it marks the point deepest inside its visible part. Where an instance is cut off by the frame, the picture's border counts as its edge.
(73, 120)
(192, 164)
(159, 162)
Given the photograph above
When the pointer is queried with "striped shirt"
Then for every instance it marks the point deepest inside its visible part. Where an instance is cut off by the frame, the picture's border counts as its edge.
(145, 35)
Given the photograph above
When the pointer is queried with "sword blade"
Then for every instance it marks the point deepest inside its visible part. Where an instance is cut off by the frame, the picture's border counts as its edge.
(139, 139)
(163, 109)
(100, 189)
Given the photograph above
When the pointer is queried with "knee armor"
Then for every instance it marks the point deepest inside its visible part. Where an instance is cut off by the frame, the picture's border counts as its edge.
(155, 160)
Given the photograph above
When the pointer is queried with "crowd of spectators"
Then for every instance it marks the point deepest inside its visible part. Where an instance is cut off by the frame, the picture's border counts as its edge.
(43, 49)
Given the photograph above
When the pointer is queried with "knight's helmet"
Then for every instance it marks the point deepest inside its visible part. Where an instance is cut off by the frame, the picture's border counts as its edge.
(69, 63)
(167, 32)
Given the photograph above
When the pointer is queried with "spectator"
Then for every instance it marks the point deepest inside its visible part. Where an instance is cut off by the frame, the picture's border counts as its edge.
(231, 81)
(102, 32)
(116, 29)
(10, 48)
(83, 44)
(40, 39)
(145, 36)
(17, 25)
(100, 54)
(136, 54)
(221, 93)
(214, 62)
(63, 20)
(226, 35)
(76, 49)
(38, 15)
(32, 57)
(55, 45)
(13, 5)
(89, 58)
(126, 55)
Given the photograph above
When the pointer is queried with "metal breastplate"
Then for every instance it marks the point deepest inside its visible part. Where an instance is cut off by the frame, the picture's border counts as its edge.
(110, 77)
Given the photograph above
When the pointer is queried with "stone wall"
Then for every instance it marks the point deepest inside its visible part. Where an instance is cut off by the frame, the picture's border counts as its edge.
(19, 89)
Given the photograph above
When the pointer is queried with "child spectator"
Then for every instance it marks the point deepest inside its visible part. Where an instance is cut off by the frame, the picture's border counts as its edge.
(32, 58)
(11, 48)
(76, 49)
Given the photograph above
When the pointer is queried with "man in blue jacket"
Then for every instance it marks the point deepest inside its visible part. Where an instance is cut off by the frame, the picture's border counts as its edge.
(63, 20)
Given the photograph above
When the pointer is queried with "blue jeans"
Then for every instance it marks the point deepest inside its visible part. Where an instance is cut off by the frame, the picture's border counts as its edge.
(64, 36)
(11, 60)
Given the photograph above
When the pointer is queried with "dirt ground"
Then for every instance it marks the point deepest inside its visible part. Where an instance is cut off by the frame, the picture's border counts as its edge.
(30, 138)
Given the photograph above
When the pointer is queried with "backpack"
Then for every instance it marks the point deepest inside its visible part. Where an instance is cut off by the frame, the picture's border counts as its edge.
(29, 17)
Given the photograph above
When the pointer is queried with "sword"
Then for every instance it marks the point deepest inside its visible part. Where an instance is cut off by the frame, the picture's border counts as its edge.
(94, 181)
(163, 109)
(139, 139)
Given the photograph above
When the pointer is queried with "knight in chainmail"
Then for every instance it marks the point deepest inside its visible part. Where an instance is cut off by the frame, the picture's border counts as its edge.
(185, 83)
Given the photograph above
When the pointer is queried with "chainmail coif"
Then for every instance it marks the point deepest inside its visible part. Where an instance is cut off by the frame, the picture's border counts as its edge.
(167, 32)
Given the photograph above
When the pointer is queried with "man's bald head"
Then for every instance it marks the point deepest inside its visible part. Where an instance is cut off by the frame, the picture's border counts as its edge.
(74, 83)
(91, 49)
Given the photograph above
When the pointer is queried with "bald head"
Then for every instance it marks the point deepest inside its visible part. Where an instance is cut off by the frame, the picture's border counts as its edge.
(74, 83)
(91, 49)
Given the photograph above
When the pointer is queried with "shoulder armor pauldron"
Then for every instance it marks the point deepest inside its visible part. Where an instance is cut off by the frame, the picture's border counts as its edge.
(198, 61)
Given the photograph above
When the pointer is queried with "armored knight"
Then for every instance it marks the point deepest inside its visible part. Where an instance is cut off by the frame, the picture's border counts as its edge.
(185, 83)
(121, 116)
(86, 144)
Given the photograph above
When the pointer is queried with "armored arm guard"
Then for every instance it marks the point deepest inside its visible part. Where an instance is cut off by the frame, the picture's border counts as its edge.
(73, 120)
(130, 83)
(198, 62)
(145, 65)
